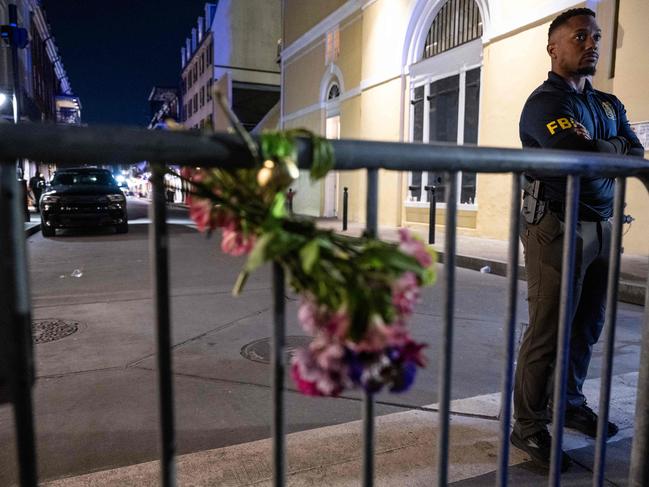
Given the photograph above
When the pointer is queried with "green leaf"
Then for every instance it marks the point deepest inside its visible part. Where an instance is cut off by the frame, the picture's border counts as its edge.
(429, 277)
(323, 158)
(258, 255)
(278, 209)
(241, 281)
(309, 255)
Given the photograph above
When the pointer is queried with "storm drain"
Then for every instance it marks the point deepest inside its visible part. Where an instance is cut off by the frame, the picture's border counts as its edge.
(259, 350)
(44, 331)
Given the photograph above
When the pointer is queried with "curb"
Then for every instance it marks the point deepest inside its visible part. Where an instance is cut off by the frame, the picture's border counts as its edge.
(29, 231)
(628, 291)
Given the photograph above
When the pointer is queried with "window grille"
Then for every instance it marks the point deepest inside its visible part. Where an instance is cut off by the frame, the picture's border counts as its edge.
(457, 23)
(334, 91)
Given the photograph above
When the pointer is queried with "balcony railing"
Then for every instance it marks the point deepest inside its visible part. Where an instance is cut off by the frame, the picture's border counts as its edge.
(105, 145)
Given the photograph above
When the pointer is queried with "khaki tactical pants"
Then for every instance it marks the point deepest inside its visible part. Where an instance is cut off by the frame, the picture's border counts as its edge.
(543, 244)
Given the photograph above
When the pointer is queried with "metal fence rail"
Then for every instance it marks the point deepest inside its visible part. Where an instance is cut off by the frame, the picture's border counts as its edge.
(112, 145)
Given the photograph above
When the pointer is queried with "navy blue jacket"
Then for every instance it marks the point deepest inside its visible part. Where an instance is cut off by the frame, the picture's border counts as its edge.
(549, 118)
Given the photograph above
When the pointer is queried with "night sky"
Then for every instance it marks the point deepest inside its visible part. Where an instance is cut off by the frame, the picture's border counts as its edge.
(115, 51)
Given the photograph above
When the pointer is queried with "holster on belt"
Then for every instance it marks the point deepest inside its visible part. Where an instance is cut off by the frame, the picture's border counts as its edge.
(534, 206)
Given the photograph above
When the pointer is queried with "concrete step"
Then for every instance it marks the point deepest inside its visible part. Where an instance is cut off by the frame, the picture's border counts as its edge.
(405, 449)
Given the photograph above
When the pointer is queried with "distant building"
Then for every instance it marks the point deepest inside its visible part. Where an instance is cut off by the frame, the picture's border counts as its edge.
(45, 91)
(68, 109)
(232, 48)
(42, 76)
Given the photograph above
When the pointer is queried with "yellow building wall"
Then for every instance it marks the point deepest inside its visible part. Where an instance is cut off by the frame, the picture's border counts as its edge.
(525, 61)
(307, 198)
(350, 128)
(350, 60)
(380, 108)
(302, 77)
(630, 85)
(256, 49)
(305, 14)
(384, 26)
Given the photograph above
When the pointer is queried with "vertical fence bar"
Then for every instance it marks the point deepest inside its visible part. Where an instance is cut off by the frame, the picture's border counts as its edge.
(565, 325)
(277, 365)
(446, 355)
(510, 331)
(609, 338)
(15, 321)
(431, 213)
(368, 398)
(159, 241)
(639, 469)
(345, 203)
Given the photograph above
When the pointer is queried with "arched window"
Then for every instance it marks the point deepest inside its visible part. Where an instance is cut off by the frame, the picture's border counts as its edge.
(446, 108)
(457, 23)
(334, 91)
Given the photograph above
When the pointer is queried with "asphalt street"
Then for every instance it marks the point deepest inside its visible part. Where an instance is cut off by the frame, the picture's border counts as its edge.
(95, 397)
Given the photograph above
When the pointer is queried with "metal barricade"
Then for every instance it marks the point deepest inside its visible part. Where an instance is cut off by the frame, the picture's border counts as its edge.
(105, 145)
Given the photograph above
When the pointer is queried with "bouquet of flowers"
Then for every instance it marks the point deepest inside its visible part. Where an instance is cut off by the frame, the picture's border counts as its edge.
(356, 293)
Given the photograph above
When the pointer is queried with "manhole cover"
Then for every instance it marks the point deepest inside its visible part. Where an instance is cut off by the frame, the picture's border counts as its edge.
(44, 331)
(259, 350)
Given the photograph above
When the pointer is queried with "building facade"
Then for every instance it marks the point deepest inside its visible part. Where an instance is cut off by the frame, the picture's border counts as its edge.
(456, 71)
(233, 48)
(45, 92)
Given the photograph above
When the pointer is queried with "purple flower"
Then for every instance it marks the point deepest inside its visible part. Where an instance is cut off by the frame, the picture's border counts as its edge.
(404, 377)
(320, 369)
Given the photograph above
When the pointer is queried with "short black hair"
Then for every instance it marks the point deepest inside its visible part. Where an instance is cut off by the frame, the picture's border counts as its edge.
(567, 15)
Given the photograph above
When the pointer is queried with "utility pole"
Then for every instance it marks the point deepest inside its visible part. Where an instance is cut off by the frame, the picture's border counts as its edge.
(17, 38)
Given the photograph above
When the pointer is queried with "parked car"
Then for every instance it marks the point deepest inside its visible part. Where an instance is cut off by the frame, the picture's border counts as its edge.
(82, 197)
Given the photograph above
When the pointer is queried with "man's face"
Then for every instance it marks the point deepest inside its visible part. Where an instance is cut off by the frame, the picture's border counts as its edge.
(574, 46)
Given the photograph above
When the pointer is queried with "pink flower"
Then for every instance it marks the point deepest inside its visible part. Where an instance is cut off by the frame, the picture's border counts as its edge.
(202, 212)
(405, 293)
(413, 246)
(187, 172)
(307, 314)
(337, 323)
(315, 319)
(328, 354)
(397, 334)
(225, 219)
(320, 369)
(235, 242)
(304, 386)
(412, 352)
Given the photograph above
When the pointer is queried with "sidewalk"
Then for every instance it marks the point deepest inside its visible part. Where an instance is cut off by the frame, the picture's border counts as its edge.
(34, 224)
(490, 255)
(405, 452)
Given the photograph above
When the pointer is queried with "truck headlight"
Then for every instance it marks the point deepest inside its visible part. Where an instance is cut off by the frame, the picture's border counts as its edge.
(50, 199)
(116, 198)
